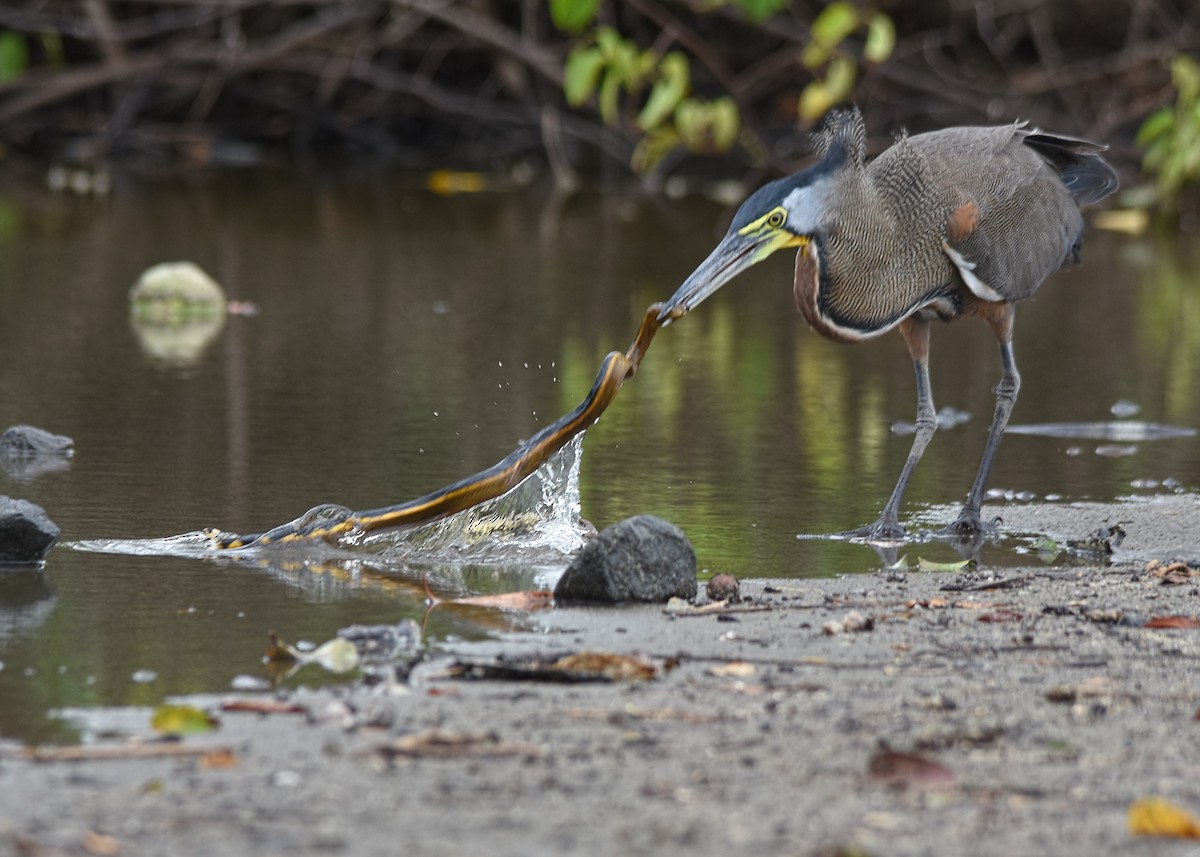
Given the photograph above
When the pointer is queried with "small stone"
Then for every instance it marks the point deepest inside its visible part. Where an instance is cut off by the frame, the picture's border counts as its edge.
(643, 558)
(30, 440)
(723, 587)
(26, 532)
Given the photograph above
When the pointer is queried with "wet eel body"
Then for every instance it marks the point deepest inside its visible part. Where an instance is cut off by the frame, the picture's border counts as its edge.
(332, 522)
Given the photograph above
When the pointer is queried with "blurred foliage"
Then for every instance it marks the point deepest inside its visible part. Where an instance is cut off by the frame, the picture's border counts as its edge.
(828, 51)
(651, 93)
(574, 85)
(1171, 136)
(14, 55)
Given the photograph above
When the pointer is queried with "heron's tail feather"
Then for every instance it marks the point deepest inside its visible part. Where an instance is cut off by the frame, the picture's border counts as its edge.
(1086, 174)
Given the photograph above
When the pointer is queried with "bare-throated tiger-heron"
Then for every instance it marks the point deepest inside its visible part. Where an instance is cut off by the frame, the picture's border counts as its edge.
(944, 225)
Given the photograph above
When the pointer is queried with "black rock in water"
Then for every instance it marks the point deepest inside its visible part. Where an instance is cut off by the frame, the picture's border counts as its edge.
(639, 559)
(26, 532)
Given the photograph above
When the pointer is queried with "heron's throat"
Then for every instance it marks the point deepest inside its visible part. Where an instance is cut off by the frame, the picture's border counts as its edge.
(780, 239)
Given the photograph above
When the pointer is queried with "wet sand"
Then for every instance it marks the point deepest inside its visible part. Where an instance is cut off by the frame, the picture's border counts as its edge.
(1007, 711)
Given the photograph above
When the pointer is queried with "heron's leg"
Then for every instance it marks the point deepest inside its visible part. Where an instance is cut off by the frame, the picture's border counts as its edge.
(916, 337)
(1001, 322)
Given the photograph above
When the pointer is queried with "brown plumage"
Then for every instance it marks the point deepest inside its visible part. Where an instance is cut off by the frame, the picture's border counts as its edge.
(952, 223)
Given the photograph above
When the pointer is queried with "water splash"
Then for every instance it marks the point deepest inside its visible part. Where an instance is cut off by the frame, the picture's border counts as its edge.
(535, 522)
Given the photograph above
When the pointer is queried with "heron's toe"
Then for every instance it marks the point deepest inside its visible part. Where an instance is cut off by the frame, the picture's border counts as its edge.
(882, 531)
(968, 525)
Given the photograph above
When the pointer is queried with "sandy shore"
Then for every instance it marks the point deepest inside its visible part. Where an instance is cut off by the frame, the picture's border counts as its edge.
(1014, 711)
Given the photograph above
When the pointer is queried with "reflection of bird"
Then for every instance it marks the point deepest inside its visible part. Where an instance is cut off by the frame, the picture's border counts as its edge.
(953, 223)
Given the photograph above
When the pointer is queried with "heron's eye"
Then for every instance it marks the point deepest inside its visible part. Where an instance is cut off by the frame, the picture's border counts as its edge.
(775, 219)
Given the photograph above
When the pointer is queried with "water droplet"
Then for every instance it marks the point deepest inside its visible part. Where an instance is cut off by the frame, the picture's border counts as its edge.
(144, 676)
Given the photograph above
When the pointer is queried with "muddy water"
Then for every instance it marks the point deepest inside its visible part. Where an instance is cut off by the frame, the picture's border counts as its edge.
(404, 340)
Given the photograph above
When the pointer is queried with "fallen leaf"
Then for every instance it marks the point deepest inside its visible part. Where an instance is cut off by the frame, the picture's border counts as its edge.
(1173, 622)
(534, 599)
(101, 752)
(1001, 616)
(893, 768)
(733, 669)
(578, 667)
(263, 706)
(220, 759)
(181, 720)
(1156, 816)
(1175, 573)
(1095, 687)
(930, 565)
(613, 667)
(852, 621)
(451, 744)
(338, 655)
(101, 844)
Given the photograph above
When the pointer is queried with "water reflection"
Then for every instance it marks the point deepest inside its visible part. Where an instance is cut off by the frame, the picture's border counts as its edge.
(405, 340)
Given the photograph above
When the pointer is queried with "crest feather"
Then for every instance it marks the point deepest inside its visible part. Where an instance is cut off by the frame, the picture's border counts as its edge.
(843, 133)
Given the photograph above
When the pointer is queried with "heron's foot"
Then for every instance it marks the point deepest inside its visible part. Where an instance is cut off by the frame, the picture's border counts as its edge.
(969, 525)
(885, 530)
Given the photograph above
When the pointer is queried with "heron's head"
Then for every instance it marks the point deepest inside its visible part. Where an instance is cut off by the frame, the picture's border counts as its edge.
(785, 213)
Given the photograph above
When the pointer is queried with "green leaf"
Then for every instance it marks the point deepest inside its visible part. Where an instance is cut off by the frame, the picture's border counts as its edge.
(1185, 74)
(653, 147)
(668, 91)
(181, 720)
(836, 21)
(881, 38)
(759, 10)
(930, 565)
(581, 74)
(726, 123)
(708, 127)
(609, 41)
(818, 97)
(571, 16)
(610, 89)
(1157, 124)
(14, 56)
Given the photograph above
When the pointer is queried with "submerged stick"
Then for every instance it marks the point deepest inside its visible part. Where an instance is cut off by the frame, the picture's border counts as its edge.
(331, 522)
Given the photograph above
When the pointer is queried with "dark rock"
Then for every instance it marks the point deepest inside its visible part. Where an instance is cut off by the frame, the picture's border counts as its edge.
(26, 533)
(638, 559)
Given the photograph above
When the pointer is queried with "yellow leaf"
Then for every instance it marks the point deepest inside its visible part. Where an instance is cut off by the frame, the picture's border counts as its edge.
(448, 182)
(181, 719)
(1156, 816)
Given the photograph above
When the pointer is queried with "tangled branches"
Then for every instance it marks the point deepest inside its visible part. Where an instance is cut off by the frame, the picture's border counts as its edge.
(480, 84)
